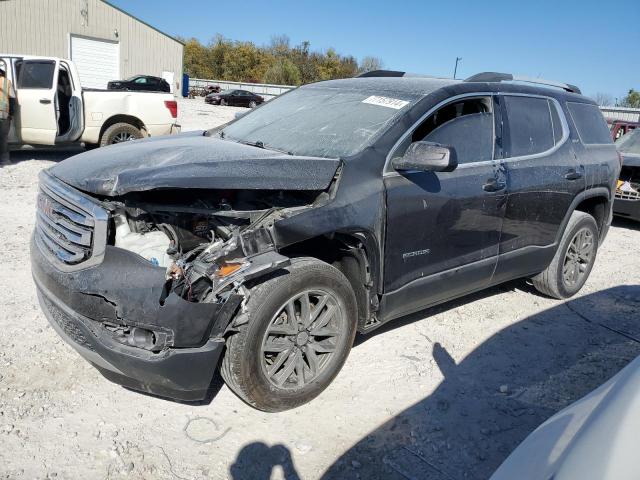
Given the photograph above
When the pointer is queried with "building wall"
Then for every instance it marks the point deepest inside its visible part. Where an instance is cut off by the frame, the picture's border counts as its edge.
(621, 113)
(43, 27)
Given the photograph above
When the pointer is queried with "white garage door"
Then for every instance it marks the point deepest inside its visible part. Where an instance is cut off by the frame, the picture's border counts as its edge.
(97, 61)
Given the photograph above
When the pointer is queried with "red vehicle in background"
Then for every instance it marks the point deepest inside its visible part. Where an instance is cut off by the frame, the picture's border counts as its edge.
(621, 127)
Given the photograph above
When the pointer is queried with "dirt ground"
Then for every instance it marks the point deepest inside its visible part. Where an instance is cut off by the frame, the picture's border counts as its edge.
(444, 394)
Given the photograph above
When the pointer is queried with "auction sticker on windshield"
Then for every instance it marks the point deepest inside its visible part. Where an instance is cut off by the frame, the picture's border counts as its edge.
(388, 102)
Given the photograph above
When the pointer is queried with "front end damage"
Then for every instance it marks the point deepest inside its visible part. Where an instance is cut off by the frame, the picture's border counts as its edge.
(627, 194)
(150, 307)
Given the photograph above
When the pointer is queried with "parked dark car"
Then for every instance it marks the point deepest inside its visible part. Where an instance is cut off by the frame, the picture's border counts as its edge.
(265, 244)
(140, 82)
(234, 98)
(620, 128)
(627, 203)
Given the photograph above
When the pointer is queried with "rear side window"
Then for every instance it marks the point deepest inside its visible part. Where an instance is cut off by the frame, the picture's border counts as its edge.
(36, 74)
(530, 125)
(590, 123)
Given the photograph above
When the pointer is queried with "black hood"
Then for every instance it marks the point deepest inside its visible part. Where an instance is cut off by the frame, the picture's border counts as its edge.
(192, 160)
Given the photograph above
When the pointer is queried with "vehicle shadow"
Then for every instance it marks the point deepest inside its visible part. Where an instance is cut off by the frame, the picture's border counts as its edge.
(621, 222)
(490, 401)
(256, 461)
(519, 284)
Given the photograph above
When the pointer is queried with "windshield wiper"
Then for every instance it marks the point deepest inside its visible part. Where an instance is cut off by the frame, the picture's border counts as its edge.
(260, 144)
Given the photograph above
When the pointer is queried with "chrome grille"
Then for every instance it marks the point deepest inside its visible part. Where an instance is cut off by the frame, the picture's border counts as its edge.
(71, 228)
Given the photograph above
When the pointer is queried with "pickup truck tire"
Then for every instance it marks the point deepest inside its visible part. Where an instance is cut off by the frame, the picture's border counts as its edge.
(274, 364)
(573, 260)
(120, 132)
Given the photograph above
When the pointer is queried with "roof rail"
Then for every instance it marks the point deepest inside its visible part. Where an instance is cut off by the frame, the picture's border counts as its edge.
(507, 77)
(381, 73)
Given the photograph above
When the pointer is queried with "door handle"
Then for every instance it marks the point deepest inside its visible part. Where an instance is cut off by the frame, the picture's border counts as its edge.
(492, 185)
(45, 101)
(573, 175)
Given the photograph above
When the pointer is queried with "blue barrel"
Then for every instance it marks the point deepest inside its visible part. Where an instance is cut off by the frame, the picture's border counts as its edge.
(185, 85)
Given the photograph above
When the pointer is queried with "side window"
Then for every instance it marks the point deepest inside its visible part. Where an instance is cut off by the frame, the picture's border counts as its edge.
(36, 74)
(466, 125)
(530, 126)
(590, 123)
(141, 80)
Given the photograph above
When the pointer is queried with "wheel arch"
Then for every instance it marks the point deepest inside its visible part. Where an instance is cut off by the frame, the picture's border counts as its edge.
(356, 256)
(121, 118)
(598, 203)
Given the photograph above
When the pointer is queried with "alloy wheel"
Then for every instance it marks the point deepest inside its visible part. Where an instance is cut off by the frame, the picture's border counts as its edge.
(302, 338)
(578, 258)
(123, 137)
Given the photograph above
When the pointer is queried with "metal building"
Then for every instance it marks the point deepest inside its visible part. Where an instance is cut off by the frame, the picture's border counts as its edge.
(105, 42)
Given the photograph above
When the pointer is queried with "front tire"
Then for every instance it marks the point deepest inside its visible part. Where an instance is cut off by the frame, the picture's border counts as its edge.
(300, 329)
(223, 102)
(120, 133)
(573, 261)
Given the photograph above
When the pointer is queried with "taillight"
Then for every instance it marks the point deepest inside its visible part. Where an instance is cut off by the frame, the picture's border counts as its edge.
(172, 105)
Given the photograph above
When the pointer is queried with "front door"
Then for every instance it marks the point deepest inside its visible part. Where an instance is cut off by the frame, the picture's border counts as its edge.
(443, 228)
(36, 92)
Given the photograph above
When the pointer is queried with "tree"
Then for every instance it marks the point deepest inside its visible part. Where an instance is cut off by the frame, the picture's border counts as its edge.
(196, 60)
(369, 64)
(277, 62)
(282, 72)
(279, 45)
(603, 99)
(632, 100)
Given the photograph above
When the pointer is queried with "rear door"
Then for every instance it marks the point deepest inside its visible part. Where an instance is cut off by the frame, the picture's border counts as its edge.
(242, 98)
(544, 177)
(36, 92)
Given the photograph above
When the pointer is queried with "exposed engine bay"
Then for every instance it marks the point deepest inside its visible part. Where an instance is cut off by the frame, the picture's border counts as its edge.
(206, 240)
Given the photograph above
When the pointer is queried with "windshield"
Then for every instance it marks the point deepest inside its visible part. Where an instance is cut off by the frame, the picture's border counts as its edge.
(630, 143)
(321, 122)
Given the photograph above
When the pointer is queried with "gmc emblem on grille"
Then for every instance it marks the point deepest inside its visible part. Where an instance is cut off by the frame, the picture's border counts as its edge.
(45, 206)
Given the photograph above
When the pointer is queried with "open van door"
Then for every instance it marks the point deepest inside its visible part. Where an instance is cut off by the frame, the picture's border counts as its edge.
(36, 92)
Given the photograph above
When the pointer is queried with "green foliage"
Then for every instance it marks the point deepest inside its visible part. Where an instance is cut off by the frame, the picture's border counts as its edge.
(277, 63)
(282, 72)
(632, 99)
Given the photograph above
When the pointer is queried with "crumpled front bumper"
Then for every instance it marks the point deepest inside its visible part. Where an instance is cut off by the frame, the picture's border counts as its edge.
(124, 288)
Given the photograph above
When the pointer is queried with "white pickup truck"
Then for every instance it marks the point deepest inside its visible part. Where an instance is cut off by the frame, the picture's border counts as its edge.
(52, 108)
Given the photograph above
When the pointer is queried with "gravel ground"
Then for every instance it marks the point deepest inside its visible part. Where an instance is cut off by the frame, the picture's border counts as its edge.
(446, 393)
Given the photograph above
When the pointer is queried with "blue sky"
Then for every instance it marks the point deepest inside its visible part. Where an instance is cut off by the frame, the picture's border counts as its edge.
(593, 44)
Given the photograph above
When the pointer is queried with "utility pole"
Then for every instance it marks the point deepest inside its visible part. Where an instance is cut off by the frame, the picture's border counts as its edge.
(455, 70)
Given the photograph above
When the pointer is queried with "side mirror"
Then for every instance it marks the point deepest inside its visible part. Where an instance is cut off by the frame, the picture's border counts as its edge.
(427, 157)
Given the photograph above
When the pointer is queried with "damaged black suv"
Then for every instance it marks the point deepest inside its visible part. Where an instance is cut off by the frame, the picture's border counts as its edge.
(264, 245)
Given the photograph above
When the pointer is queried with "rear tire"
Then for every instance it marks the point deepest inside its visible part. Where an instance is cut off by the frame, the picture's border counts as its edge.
(120, 133)
(288, 353)
(573, 260)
